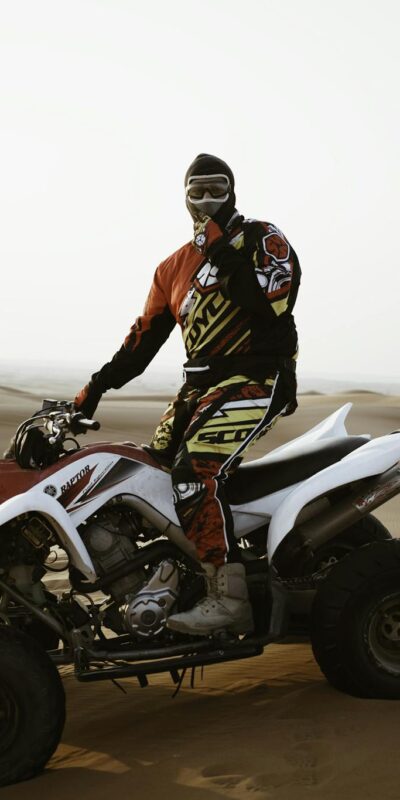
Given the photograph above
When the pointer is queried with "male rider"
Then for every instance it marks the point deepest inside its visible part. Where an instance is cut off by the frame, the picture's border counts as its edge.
(232, 290)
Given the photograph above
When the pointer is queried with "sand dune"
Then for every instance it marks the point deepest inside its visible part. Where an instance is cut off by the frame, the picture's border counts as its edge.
(268, 728)
(265, 728)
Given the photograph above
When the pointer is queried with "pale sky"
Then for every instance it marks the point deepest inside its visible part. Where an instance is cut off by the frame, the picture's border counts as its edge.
(104, 103)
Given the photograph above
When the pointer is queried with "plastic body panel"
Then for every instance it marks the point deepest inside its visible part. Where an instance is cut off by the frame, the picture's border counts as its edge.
(373, 458)
(39, 502)
(76, 488)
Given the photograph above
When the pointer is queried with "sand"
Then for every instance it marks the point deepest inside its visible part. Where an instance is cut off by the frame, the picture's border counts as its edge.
(264, 728)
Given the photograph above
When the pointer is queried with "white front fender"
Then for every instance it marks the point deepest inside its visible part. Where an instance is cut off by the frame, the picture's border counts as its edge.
(37, 501)
(372, 458)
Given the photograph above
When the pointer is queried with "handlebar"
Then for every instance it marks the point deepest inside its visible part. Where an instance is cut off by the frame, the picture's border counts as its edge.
(62, 421)
(89, 424)
(39, 440)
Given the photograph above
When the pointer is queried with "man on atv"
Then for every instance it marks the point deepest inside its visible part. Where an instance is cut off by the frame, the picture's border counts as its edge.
(232, 290)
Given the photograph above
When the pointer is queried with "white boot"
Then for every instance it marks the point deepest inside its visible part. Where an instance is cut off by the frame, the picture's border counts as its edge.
(226, 606)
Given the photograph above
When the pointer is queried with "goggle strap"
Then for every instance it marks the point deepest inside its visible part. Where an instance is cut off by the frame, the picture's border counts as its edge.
(209, 179)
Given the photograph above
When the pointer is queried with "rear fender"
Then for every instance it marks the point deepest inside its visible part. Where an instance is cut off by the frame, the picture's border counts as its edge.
(36, 501)
(372, 458)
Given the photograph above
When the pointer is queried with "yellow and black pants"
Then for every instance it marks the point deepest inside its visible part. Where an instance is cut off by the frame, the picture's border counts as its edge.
(204, 434)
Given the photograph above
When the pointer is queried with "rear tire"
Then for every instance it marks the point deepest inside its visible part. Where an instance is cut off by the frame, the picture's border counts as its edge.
(355, 622)
(32, 707)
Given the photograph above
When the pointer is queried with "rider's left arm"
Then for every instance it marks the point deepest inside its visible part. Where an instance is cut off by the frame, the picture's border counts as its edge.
(261, 275)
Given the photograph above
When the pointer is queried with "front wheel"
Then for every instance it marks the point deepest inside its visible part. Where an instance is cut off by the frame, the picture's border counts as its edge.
(355, 622)
(32, 707)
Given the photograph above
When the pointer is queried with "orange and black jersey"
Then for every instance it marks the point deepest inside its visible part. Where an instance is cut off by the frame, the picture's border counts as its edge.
(234, 306)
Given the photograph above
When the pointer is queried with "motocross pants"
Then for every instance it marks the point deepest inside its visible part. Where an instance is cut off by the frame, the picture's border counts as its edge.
(204, 434)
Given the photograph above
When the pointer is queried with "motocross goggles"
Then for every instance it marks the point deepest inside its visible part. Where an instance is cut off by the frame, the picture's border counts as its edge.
(217, 187)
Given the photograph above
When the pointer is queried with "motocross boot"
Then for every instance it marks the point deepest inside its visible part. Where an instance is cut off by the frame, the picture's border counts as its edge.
(225, 607)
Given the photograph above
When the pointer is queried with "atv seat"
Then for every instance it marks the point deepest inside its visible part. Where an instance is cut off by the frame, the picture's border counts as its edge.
(255, 479)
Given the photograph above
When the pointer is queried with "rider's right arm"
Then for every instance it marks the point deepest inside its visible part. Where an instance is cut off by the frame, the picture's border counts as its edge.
(146, 336)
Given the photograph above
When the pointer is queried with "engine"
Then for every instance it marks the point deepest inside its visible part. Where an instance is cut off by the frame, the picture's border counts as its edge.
(143, 599)
(111, 539)
(146, 613)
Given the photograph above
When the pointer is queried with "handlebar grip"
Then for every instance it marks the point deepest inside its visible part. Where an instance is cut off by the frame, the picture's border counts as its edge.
(90, 424)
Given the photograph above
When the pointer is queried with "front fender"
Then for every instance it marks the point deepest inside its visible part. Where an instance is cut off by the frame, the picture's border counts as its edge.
(37, 501)
(372, 458)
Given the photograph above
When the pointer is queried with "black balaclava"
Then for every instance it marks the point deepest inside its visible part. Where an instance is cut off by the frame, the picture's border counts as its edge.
(205, 164)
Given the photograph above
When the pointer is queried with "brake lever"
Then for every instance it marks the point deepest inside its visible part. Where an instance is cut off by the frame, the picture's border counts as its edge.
(57, 426)
(56, 434)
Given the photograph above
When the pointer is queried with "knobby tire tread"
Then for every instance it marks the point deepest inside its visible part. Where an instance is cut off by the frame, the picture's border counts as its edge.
(333, 607)
(27, 667)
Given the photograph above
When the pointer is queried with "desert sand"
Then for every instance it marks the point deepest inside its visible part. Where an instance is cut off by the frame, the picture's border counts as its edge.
(264, 729)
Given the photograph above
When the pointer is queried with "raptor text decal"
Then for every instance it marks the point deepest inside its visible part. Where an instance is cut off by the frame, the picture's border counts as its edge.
(75, 478)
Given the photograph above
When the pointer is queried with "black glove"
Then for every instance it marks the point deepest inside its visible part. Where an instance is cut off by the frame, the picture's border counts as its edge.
(224, 256)
(287, 368)
(88, 399)
(201, 230)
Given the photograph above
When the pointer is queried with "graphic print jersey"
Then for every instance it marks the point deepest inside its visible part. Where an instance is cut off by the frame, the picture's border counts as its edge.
(237, 304)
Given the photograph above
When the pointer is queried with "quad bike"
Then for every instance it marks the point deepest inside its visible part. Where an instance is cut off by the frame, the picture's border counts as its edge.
(105, 511)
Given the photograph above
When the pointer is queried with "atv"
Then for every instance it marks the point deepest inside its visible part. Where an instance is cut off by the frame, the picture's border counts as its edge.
(317, 564)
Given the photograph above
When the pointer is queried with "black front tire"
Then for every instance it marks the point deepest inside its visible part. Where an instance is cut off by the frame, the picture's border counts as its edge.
(32, 707)
(355, 622)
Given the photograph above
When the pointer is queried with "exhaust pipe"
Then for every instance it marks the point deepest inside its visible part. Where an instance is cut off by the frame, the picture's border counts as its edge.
(309, 536)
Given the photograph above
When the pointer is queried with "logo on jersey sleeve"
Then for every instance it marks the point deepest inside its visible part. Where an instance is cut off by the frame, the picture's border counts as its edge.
(276, 273)
(275, 244)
